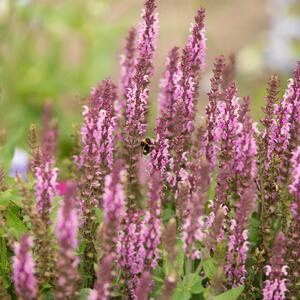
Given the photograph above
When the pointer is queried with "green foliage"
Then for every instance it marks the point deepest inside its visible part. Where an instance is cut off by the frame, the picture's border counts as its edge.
(15, 224)
(56, 50)
(84, 293)
(232, 294)
(209, 267)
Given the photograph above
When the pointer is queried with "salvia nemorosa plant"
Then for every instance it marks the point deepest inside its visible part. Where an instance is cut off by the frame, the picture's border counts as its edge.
(212, 209)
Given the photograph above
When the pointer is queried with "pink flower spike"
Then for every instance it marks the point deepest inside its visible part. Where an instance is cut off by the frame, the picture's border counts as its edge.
(24, 269)
(66, 231)
(275, 285)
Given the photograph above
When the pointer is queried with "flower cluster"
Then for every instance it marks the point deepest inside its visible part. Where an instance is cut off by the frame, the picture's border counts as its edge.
(114, 210)
(210, 205)
(66, 232)
(24, 269)
(293, 251)
(245, 167)
(95, 160)
(46, 181)
(275, 285)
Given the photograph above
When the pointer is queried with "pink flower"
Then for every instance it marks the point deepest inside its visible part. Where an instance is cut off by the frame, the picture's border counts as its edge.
(275, 285)
(66, 231)
(151, 228)
(61, 188)
(45, 188)
(24, 269)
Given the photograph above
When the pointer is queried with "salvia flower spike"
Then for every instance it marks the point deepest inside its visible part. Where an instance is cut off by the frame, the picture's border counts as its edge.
(24, 269)
(66, 231)
(276, 272)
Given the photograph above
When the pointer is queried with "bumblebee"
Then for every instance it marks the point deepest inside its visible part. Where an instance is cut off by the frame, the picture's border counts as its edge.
(147, 146)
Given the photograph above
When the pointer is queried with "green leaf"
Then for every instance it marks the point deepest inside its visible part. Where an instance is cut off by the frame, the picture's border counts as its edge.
(193, 283)
(5, 199)
(82, 246)
(48, 295)
(253, 230)
(3, 256)
(159, 272)
(168, 213)
(232, 294)
(9, 196)
(181, 295)
(84, 293)
(99, 215)
(15, 224)
(210, 267)
(46, 286)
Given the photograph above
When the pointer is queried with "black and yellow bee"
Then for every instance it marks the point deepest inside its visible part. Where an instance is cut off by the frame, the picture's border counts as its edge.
(147, 146)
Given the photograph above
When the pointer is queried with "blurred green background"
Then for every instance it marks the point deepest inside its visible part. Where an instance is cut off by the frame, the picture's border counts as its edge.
(58, 49)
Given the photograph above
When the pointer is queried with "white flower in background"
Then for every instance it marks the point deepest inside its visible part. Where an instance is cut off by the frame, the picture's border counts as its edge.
(284, 33)
(19, 163)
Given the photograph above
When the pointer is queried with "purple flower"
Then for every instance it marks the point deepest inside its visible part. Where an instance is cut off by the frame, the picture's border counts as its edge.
(66, 232)
(128, 62)
(193, 61)
(294, 96)
(282, 124)
(114, 210)
(151, 230)
(165, 123)
(230, 127)
(45, 188)
(168, 95)
(95, 161)
(275, 285)
(137, 99)
(24, 269)
(127, 69)
(113, 207)
(101, 289)
(144, 287)
(130, 248)
(295, 185)
(48, 133)
(137, 92)
(192, 228)
(98, 128)
(293, 241)
(268, 135)
(197, 42)
(178, 101)
(214, 228)
(213, 133)
(245, 170)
